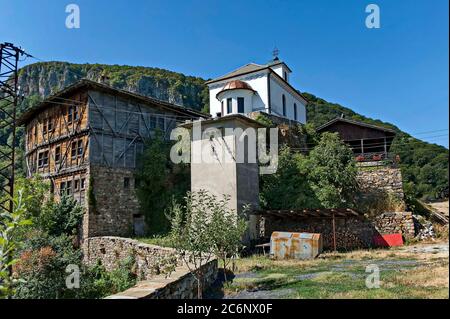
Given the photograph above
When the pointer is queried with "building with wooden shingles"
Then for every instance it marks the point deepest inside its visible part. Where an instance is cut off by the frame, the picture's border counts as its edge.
(86, 140)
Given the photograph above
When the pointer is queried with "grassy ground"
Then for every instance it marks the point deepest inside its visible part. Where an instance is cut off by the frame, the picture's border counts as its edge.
(416, 271)
(163, 241)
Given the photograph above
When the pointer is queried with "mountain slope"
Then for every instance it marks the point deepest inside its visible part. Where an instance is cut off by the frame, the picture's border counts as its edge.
(424, 165)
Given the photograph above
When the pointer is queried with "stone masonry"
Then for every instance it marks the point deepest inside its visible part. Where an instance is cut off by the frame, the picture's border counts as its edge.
(394, 223)
(109, 251)
(114, 202)
(150, 260)
(382, 178)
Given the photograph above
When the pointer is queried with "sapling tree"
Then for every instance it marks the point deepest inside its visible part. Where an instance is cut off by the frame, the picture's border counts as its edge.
(202, 228)
(227, 231)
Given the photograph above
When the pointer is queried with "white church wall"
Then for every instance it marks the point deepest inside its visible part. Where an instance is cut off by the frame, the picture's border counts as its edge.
(277, 91)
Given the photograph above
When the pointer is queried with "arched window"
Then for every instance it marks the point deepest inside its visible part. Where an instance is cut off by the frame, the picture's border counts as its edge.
(295, 111)
(284, 104)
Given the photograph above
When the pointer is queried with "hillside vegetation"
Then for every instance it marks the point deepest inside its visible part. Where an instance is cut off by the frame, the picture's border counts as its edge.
(424, 165)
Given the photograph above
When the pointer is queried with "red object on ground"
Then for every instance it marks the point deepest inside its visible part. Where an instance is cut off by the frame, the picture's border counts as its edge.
(389, 240)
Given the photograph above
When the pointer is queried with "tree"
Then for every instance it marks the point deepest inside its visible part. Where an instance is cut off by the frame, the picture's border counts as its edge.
(288, 187)
(332, 172)
(9, 224)
(205, 227)
(159, 181)
(227, 231)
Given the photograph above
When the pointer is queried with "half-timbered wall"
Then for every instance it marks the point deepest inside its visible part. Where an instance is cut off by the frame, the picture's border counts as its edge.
(120, 126)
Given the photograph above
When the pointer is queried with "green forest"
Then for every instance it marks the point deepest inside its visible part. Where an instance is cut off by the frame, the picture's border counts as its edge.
(424, 165)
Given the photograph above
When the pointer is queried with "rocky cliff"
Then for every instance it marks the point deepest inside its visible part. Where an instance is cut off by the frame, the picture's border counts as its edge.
(43, 79)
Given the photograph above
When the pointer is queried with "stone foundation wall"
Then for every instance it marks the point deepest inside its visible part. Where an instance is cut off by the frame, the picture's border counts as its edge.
(149, 259)
(351, 233)
(383, 178)
(110, 212)
(180, 285)
(396, 222)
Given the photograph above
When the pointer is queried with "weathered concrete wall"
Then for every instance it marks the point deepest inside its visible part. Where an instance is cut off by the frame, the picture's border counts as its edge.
(395, 222)
(114, 202)
(180, 285)
(382, 178)
(150, 260)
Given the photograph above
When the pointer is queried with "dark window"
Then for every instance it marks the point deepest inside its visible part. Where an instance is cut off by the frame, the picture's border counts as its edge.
(73, 150)
(295, 111)
(240, 101)
(62, 188)
(76, 185)
(152, 122)
(69, 187)
(75, 113)
(44, 127)
(82, 184)
(229, 106)
(285, 75)
(43, 159)
(284, 104)
(137, 182)
(70, 114)
(57, 154)
(161, 123)
(126, 182)
(80, 148)
(221, 108)
(50, 124)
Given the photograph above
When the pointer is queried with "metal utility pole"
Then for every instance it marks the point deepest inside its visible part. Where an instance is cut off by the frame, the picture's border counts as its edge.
(9, 58)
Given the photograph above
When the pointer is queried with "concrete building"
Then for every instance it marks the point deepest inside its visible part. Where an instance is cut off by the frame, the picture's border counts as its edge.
(221, 164)
(254, 87)
(86, 140)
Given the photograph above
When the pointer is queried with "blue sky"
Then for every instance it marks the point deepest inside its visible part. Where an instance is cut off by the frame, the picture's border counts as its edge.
(398, 73)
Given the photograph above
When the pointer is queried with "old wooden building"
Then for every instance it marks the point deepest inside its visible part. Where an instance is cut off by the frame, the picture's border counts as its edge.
(86, 140)
(369, 143)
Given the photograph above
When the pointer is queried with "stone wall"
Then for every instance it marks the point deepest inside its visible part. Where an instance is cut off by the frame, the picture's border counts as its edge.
(110, 212)
(381, 178)
(149, 259)
(351, 233)
(395, 222)
(180, 285)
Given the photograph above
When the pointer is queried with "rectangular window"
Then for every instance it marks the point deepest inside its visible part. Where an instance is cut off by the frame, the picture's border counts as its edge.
(82, 184)
(70, 114)
(295, 111)
(152, 122)
(44, 127)
(62, 188)
(229, 106)
(43, 159)
(69, 187)
(73, 149)
(75, 113)
(240, 101)
(57, 154)
(50, 124)
(126, 182)
(136, 183)
(221, 109)
(80, 148)
(284, 104)
(76, 185)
